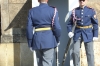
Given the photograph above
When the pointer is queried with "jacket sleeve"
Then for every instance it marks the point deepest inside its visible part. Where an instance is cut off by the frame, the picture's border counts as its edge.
(70, 24)
(57, 28)
(29, 29)
(95, 24)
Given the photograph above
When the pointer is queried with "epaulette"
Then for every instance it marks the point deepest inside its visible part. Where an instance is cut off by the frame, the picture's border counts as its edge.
(52, 6)
(89, 7)
(75, 8)
(73, 14)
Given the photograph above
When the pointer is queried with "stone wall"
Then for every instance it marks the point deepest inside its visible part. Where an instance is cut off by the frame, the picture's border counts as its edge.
(13, 47)
(15, 54)
(14, 18)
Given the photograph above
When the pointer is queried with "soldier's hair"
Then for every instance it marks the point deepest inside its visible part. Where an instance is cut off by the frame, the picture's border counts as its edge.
(42, 0)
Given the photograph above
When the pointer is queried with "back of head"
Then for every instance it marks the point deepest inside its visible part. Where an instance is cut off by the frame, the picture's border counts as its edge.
(42, 1)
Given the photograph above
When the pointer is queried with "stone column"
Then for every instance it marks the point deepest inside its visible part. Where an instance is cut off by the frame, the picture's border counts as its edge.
(5, 17)
(13, 47)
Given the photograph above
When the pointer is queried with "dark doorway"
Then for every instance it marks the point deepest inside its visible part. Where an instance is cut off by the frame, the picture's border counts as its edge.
(62, 7)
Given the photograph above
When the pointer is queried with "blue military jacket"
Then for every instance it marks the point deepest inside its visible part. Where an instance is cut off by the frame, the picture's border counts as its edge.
(41, 16)
(84, 16)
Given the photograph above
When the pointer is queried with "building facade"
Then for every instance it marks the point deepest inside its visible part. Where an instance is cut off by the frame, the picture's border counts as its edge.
(13, 47)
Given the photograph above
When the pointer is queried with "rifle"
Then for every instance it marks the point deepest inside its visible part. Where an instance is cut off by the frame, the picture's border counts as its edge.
(68, 46)
(57, 61)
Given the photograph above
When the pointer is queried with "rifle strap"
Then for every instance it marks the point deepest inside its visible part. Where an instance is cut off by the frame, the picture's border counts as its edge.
(74, 17)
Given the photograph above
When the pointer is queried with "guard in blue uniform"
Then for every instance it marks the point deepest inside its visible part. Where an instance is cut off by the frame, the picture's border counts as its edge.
(47, 32)
(86, 30)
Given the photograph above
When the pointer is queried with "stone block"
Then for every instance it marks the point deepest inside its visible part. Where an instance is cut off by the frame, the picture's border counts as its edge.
(23, 39)
(16, 52)
(5, 19)
(17, 31)
(16, 38)
(3, 55)
(14, 9)
(13, 54)
(19, 20)
(4, 1)
(26, 55)
(9, 54)
(0, 2)
(18, 15)
(6, 39)
(17, 1)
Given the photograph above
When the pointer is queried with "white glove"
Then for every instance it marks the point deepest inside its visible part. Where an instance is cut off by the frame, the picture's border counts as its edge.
(70, 34)
(95, 38)
(58, 44)
(31, 49)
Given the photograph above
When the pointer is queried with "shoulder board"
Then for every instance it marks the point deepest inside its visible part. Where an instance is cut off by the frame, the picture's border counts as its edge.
(89, 7)
(52, 6)
(75, 8)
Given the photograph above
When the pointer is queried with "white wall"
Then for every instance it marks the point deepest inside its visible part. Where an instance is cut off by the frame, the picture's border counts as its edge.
(34, 4)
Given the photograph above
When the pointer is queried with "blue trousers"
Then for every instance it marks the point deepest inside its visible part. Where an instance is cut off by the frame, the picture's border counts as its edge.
(88, 49)
(45, 57)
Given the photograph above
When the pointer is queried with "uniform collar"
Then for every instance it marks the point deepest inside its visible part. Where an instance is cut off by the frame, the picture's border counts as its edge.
(43, 4)
(82, 7)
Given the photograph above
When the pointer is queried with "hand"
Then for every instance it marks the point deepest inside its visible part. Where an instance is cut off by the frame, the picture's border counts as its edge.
(31, 49)
(57, 39)
(29, 42)
(70, 34)
(95, 38)
(58, 44)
